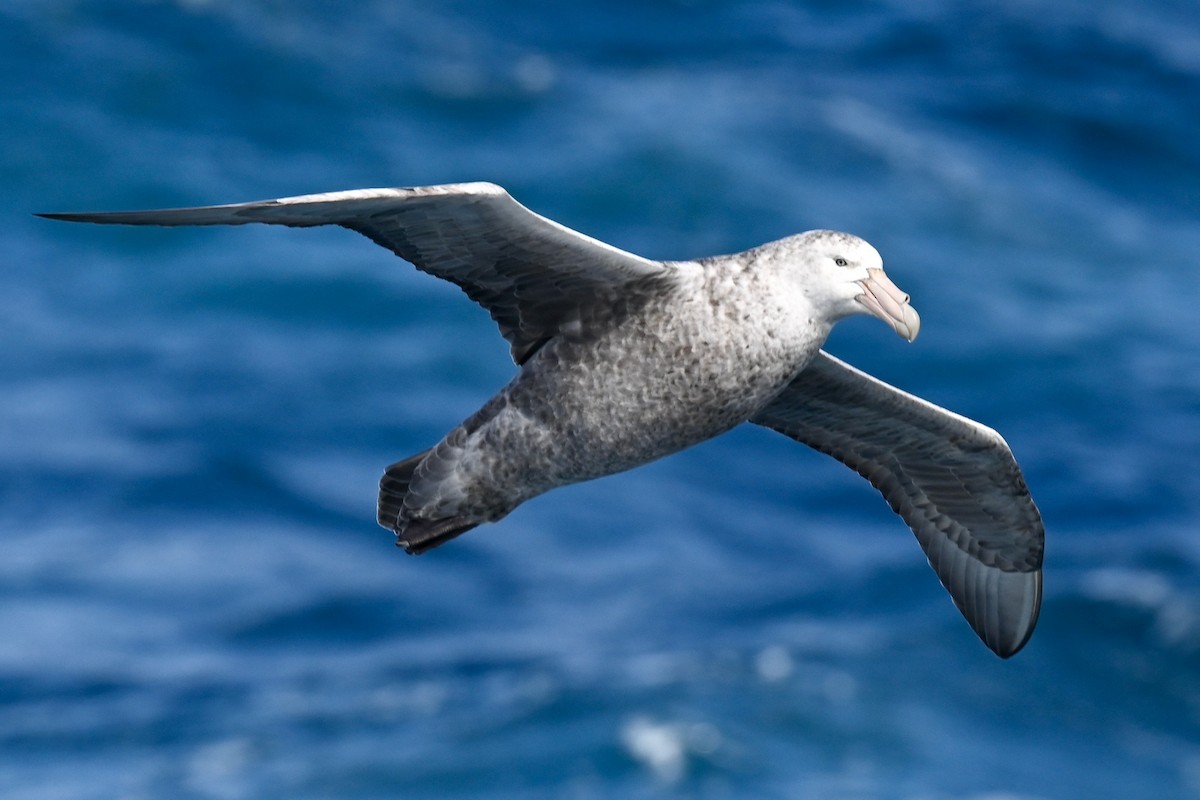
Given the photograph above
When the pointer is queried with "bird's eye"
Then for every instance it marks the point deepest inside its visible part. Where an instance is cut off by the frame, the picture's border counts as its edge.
(841, 262)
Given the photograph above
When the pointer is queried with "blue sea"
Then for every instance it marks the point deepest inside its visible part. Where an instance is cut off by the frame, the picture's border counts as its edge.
(195, 600)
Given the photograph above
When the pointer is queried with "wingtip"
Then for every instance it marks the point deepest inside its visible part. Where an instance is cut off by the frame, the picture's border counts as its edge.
(1020, 605)
(71, 216)
(1001, 606)
(1008, 649)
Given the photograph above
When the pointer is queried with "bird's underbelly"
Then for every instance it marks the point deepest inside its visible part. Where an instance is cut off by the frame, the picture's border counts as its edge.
(621, 412)
(581, 410)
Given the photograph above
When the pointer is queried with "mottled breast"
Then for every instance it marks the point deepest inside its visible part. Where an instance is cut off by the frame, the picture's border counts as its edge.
(691, 363)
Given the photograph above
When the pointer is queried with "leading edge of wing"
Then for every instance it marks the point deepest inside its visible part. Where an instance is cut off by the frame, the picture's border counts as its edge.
(346, 208)
(327, 208)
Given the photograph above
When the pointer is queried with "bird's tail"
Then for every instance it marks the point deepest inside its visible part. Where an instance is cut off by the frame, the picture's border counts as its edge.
(414, 534)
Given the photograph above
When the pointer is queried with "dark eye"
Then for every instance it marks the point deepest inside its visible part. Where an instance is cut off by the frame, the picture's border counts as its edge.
(841, 262)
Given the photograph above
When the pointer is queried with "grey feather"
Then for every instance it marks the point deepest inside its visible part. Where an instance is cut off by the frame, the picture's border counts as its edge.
(535, 276)
(953, 481)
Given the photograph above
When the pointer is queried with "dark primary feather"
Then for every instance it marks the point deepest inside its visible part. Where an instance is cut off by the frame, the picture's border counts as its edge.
(955, 482)
(535, 276)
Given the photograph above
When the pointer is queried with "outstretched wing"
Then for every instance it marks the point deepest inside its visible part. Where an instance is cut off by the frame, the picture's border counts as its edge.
(535, 276)
(954, 482)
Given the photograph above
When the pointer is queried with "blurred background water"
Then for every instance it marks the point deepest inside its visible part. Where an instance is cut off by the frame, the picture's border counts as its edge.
(195, 601)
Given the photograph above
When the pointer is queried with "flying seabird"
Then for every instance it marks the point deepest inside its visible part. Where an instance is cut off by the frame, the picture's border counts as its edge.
(624, 360)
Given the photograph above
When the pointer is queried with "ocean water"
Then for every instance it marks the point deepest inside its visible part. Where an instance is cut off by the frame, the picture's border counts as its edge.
(195, 601)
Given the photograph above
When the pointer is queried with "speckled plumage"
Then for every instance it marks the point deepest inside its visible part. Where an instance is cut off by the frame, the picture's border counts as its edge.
(624, 360)
(705, 348)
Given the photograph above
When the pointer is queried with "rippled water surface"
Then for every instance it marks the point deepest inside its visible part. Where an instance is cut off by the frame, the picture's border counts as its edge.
(195, 601)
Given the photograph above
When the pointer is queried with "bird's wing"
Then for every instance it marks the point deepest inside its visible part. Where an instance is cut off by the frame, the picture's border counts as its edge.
(954, 481)
(535, 276)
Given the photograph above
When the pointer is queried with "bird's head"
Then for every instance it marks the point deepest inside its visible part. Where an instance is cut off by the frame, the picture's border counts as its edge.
(846, 276)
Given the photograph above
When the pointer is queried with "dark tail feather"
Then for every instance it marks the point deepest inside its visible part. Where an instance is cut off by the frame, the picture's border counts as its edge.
(420, 535)
(393, 486)
(415, 535)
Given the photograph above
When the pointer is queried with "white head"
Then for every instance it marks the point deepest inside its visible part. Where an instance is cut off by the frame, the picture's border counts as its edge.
(844, 274)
